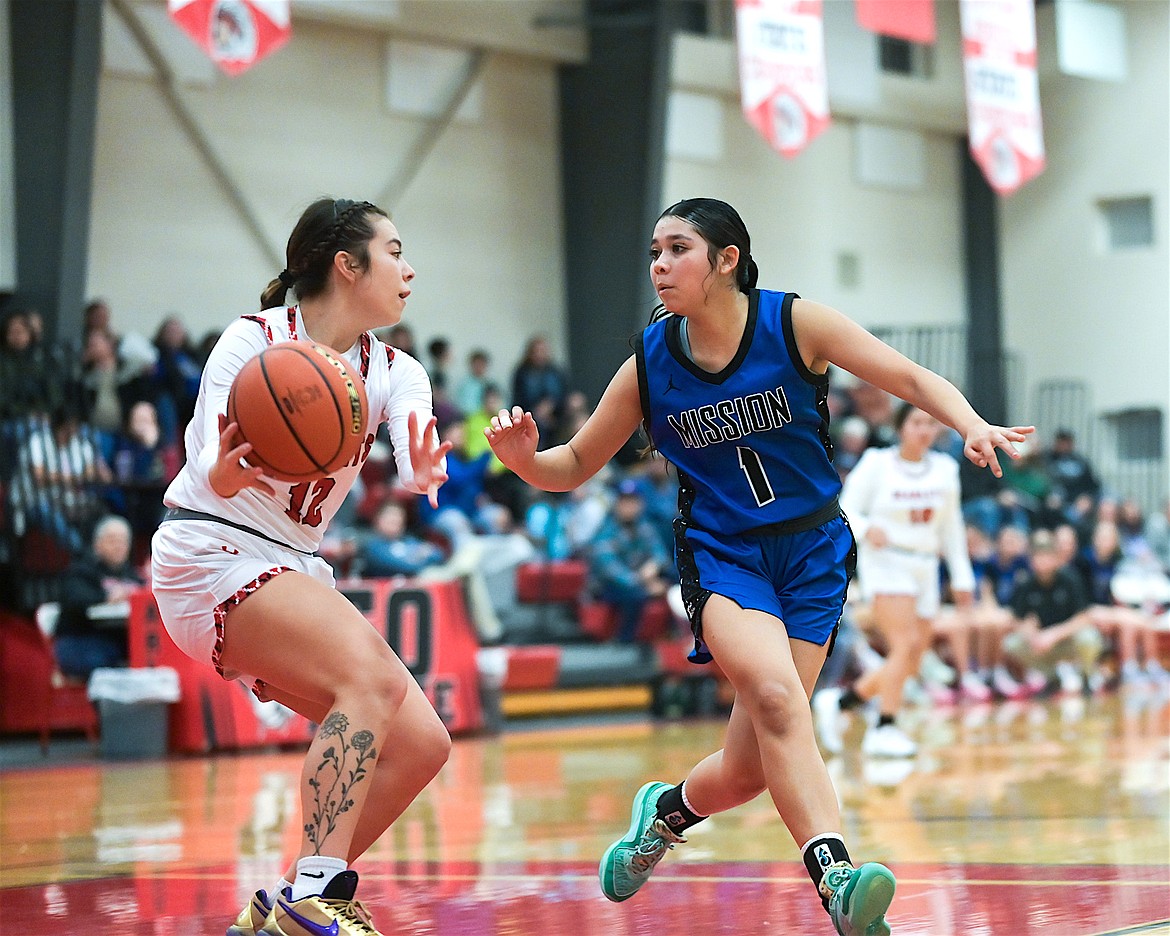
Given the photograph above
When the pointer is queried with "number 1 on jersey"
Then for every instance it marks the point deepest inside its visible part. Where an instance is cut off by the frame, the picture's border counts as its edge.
(757, 478)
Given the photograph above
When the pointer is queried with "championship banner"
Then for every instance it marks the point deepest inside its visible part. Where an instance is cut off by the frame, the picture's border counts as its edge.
(782, 70)
(1003, 93)
(235, 34)
(912, 20)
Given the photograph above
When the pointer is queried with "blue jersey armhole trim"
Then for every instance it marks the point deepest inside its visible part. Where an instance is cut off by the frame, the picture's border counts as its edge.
(816, 380)
(643, 383)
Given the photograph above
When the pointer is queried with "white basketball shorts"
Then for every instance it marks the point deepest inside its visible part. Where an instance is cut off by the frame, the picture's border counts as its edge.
(895, 572)
(200, 570)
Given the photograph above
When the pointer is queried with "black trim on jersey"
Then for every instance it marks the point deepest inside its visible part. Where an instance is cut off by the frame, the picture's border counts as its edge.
(822, 405)
(643, 383)
(262, 323)
(820, 381)
(817, 380)
(182, 513)
(694, 595)
(366, 344)
(810, 521)
(674, 344)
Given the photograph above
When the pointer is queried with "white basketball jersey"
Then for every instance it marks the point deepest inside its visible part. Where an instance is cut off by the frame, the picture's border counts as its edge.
(299, 514)
(916, 504)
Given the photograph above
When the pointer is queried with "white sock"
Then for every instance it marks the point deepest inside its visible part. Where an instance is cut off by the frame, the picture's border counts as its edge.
(281, 885)
(313, 873)
(687, 803)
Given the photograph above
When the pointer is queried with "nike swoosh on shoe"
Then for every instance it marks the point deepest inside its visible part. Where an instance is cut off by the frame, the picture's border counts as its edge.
(308, 925)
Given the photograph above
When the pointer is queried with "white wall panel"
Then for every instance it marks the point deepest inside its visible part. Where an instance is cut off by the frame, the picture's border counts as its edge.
(1071, 307)
(480, 222)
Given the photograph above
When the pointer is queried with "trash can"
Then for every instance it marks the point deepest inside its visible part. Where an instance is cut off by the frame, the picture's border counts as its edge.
(492, 663)
(132, 705)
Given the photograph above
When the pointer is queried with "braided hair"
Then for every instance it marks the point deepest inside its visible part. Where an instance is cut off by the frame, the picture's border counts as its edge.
(327, 226)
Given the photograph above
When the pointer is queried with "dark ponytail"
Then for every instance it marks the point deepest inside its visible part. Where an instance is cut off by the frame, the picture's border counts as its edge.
(327, 226)
(751, 275)
(273, 295)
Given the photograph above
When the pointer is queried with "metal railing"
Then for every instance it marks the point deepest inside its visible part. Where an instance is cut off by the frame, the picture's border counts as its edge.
(1127, 453)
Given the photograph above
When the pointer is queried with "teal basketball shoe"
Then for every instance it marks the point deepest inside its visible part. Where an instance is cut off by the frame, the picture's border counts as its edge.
(628, 863)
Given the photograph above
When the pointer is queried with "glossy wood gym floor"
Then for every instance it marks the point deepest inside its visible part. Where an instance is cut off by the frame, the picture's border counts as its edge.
(1017, 818)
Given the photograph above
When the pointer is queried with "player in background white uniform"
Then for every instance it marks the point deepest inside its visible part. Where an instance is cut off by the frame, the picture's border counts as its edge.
(903, 504)
(238, 586)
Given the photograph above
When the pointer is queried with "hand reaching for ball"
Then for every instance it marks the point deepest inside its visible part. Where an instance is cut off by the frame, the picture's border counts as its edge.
(426, 457)
(229, 475)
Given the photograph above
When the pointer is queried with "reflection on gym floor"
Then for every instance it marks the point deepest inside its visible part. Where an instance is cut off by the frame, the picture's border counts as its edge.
(1015, 818)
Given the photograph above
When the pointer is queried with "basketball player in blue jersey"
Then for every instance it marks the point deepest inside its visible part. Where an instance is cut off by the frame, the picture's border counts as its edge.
(730, 383)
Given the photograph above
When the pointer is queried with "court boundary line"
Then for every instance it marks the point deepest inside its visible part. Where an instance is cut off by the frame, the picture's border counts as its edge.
(1138, 928)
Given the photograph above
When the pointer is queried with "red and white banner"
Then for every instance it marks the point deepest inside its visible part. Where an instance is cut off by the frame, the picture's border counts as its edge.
(912, 20)
(427, 624)
(235, 34)
(782, 70)
(1003, 94)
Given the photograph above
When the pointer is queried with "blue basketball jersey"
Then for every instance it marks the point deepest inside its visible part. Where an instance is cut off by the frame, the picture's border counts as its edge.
(751, 443)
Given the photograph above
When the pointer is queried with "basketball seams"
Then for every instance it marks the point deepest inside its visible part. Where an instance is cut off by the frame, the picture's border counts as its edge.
(272, 392)
(340, 368)
(343, 419)
(297, 392)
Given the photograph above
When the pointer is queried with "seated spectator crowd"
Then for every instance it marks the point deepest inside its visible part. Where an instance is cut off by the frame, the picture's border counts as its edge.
(1067, 594)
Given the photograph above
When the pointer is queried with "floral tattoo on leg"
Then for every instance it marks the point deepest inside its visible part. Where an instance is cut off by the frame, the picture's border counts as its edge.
(335, 777)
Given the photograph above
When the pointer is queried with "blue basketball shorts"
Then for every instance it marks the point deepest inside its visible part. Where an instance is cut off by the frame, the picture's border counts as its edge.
(801, 578)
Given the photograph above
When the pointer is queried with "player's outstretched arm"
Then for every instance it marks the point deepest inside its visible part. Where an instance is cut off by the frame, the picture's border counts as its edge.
(826, 336)
(514, 437)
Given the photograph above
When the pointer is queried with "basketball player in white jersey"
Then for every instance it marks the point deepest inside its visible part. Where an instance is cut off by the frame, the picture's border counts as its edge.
(903, 503)
(239, 587)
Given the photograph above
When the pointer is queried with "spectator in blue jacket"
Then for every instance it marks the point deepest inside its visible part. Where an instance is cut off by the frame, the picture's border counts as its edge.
(1008, 565)
(391, 549)
(659, 486)
(465, 507)
(628, 564)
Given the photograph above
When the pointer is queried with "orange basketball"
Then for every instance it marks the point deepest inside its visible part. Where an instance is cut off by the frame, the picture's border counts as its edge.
(302, 410)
